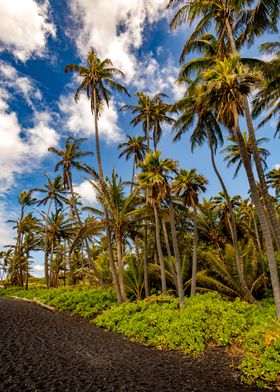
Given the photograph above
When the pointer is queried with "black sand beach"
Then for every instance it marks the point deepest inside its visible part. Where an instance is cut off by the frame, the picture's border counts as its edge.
(43, 351)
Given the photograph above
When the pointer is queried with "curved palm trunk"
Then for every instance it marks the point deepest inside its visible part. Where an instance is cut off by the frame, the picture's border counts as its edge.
(232, 224)
(119, 243)
(273, 218)
(194, 257)
(176, 253)
(171, 265)
(160, 255)
(145, 261)
(107, 228)
(260, 211)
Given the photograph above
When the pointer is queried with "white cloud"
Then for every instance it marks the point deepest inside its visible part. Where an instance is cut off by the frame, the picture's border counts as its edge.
(6, 232)
(79, 119)
(86, 191)
(17, 85)
(25, 27)
(38, 270)
(115, 28)
(20, 154)
(156, 78)
(276, 166)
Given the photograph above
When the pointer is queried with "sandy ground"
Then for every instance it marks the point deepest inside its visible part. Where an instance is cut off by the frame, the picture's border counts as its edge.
(45, 351)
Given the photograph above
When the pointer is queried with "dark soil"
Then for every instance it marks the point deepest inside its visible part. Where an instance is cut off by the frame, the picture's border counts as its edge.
(43, 351)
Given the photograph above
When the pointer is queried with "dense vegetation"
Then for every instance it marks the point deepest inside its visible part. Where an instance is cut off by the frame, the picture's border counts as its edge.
(249, 331)
(156, 234)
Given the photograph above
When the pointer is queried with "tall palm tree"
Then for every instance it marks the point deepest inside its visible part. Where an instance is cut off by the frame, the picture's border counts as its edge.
(160, 116)
(135, 147)
(229, 19)
(98, 79)
(234, 157)
(189, 184)
(144, 110)
(25, 199)
(154, 179)
(53, 191)
(69, 159)
(267, 98)
(224, 88)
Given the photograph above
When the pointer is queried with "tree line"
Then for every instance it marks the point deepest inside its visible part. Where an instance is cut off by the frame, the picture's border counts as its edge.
(155, 232)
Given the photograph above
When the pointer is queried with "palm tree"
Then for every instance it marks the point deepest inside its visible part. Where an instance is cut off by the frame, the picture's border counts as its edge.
(97, 81)
(274, 180)
(206, 128)
(69, 159)
(25, 199)
(189, 184)
(53, 191)
(267, 98)
(153, 179)
(234, 157)
(230, 18)
(145, 109)
(160, 116)
(224, 88)
(135, 147)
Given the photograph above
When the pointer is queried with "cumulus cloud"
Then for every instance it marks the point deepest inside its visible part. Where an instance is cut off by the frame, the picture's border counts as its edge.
(86, 191)
(20, 154)
(78, 118)
(155, 78)
(25, 27)
(276, 166)
(15, 85)
(114, 28)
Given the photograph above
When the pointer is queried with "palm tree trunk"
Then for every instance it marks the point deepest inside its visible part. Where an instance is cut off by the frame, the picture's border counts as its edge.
(120, 265)
(171, 265)
(133, 174)
(247, 294)
(194, 258)
(176, 253)
(160, 255)
(273, 218)
(46, 257)
(260, 211)
(145, 261)
(107, 228)
(51, 264)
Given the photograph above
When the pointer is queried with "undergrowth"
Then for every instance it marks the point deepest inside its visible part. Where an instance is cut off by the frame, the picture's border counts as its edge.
(207, 319)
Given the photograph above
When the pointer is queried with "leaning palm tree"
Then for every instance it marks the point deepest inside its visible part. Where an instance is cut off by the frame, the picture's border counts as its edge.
(229, 18)
(223, 90)
(188, 184)
(234, 157)
(267, 98)
(135, 147)
(53, 191)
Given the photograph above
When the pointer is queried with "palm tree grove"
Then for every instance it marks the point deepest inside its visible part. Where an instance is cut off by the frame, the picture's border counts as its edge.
(175, 248)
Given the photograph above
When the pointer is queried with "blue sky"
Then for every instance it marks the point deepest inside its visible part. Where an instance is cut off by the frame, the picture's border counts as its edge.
(37, 40)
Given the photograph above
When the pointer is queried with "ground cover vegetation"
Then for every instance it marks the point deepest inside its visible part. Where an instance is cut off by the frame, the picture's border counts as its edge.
(156, 234)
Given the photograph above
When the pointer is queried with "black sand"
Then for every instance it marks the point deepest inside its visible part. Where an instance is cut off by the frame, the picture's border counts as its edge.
(42, 351)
